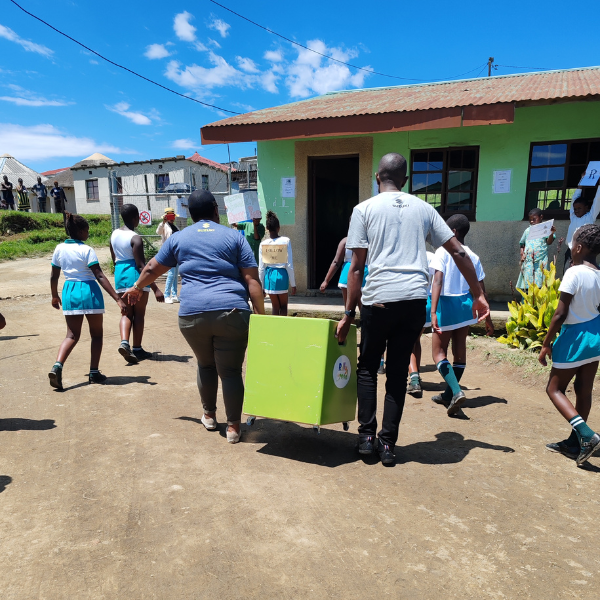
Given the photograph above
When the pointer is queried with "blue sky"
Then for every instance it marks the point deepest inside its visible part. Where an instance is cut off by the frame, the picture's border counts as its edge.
(59, 104)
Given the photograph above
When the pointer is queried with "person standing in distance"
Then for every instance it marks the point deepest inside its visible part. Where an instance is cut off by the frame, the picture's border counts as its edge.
(59, 198)
(42, 194)
(393, 226)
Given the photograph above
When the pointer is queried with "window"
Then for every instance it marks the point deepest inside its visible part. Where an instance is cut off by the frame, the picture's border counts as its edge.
(91, 188)
(555, 169)
(446, 179)
(194, 179)
(161, 181)
(204, 182)
(119, 185)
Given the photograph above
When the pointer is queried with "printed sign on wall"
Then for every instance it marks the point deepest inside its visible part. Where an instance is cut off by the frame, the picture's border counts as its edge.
(145, 217)
(288, 187)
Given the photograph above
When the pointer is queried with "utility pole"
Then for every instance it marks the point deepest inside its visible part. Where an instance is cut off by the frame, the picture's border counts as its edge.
(490, 65)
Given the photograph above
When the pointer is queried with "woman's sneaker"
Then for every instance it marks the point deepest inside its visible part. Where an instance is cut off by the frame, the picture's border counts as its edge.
(563, 448)
(588, 448)
(386, 454)
(96, 377)
(55, 377)
(168, 300)
(127, 354)
(366, 445)
(414, 387)
(456, 402)
(175, 299)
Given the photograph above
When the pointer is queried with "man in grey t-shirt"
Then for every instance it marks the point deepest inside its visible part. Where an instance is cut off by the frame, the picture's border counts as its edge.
(392, 227)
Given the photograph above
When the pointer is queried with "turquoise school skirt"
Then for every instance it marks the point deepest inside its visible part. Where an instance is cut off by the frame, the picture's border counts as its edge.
(126, 274)
(277, 281)
(454, 312)
(343, 282)
(82, 298)
(577, 345)
(428, 312)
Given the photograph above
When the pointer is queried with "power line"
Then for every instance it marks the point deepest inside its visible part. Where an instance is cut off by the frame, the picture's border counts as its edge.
(533, 68)
(283, 37)
(121, 66)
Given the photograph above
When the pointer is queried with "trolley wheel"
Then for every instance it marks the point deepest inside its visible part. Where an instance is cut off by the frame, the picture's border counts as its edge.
(317, 429)
(250, 421)
(345, 426)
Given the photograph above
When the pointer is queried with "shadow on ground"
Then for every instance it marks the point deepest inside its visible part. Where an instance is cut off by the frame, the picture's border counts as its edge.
(115, 380)
(26, 424)
(4, 338)
(448, 448)
(4, 481)
(172, 357)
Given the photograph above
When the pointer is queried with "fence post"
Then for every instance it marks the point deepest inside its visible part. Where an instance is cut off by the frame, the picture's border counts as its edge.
(114, 204)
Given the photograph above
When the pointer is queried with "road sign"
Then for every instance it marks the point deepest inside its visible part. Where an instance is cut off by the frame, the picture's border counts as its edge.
(145, 217)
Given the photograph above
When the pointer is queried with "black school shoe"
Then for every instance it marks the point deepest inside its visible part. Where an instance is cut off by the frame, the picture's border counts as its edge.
(97, 377)
(366, 445)
(414, 388)
(562, 448)
(386, 454)
(55, 377)
(588, 448)
(456, 402)
(127, 354)
(141, 354)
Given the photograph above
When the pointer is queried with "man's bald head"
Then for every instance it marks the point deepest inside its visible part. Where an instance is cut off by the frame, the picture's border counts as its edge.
(392, 169)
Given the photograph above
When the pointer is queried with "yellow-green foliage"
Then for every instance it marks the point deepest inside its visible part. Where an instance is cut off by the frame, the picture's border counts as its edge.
(528, 323)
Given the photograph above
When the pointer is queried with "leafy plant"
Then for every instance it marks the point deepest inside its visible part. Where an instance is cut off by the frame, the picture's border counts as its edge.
(529, 321)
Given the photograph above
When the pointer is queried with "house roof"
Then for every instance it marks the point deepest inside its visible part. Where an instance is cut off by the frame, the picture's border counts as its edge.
(13, 169)
(206, 161)
(416, 103)
(63, 176)
(94, 160)
(53, 172)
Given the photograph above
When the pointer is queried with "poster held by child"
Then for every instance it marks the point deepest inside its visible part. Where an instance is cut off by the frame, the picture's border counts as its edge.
(81, 296)
(276, 267)
(576, 351)
(534, 253)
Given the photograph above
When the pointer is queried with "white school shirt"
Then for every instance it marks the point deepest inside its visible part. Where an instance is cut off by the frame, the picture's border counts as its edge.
(348, 255)
(454, 283)
(120, 240)
(583, 283)
(289, 265)
(588, 219)
(75, 258)
(430, 257)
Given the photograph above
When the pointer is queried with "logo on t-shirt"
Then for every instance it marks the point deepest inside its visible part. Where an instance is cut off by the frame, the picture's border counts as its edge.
(342, 371)
(398, 203)
(205, 227)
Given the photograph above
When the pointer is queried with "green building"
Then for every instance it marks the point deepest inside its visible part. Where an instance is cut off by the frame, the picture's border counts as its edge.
(490, 148)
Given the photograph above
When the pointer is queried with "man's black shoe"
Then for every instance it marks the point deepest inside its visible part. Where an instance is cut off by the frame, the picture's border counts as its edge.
(366, 445)
(588, 448)
(386, 454)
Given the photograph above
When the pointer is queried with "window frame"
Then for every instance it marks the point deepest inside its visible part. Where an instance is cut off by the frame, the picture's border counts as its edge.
(562, 214)
(157, 177)
(204, 179)
(470, 214)
(87, 190)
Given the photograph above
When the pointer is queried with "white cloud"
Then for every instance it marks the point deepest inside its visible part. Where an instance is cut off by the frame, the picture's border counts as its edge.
(220, 26)
(269, 81)
(12, 36)
(93, 62)
(273, 55)
(24, 97)
(313, 74)
(214, 43)
(200, 47)
(31, 102)
(122, 108)
(245, 107)
(156, 51)
(184, 144)
(246, 64)
(197, 78)
(39, 142)
(184, 30)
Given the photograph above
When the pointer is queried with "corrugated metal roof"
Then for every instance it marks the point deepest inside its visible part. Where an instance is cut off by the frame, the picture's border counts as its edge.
(206, 161)
(546, 85)
(14, 169)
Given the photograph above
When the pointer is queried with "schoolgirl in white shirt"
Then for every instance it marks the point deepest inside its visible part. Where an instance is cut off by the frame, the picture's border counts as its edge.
(576, 351)
(276, 266)
(451, 315)
(81, 296)
(127, 251)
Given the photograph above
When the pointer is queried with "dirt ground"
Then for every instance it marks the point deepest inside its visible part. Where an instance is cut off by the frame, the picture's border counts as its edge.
(117, 491)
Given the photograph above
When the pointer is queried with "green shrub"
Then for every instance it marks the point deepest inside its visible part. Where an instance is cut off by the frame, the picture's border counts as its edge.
(529, 321)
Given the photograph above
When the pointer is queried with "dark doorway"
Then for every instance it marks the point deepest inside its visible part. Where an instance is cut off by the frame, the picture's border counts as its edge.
(333, 185)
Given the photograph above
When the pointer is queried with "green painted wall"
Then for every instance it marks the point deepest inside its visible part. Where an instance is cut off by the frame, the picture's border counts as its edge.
(276, 160)
(501, 147)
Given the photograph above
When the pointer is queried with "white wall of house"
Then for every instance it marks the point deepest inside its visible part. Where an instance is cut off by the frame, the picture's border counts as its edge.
(140, 177)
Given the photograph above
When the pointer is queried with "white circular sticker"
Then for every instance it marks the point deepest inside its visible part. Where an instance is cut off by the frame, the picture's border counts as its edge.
(342, 371)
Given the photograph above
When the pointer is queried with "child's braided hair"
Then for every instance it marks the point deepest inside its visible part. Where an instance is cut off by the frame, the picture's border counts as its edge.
(272, 221)
(589, 236)
(74, 224)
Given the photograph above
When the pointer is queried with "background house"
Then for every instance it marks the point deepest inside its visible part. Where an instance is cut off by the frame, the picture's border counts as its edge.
(491, 148)
(13, 169)
(91, 181)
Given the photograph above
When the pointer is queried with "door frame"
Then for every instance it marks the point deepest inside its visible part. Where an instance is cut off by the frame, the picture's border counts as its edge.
(312, 209)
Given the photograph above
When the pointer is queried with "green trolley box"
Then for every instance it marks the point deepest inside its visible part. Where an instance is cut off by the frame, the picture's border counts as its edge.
(296, 371)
